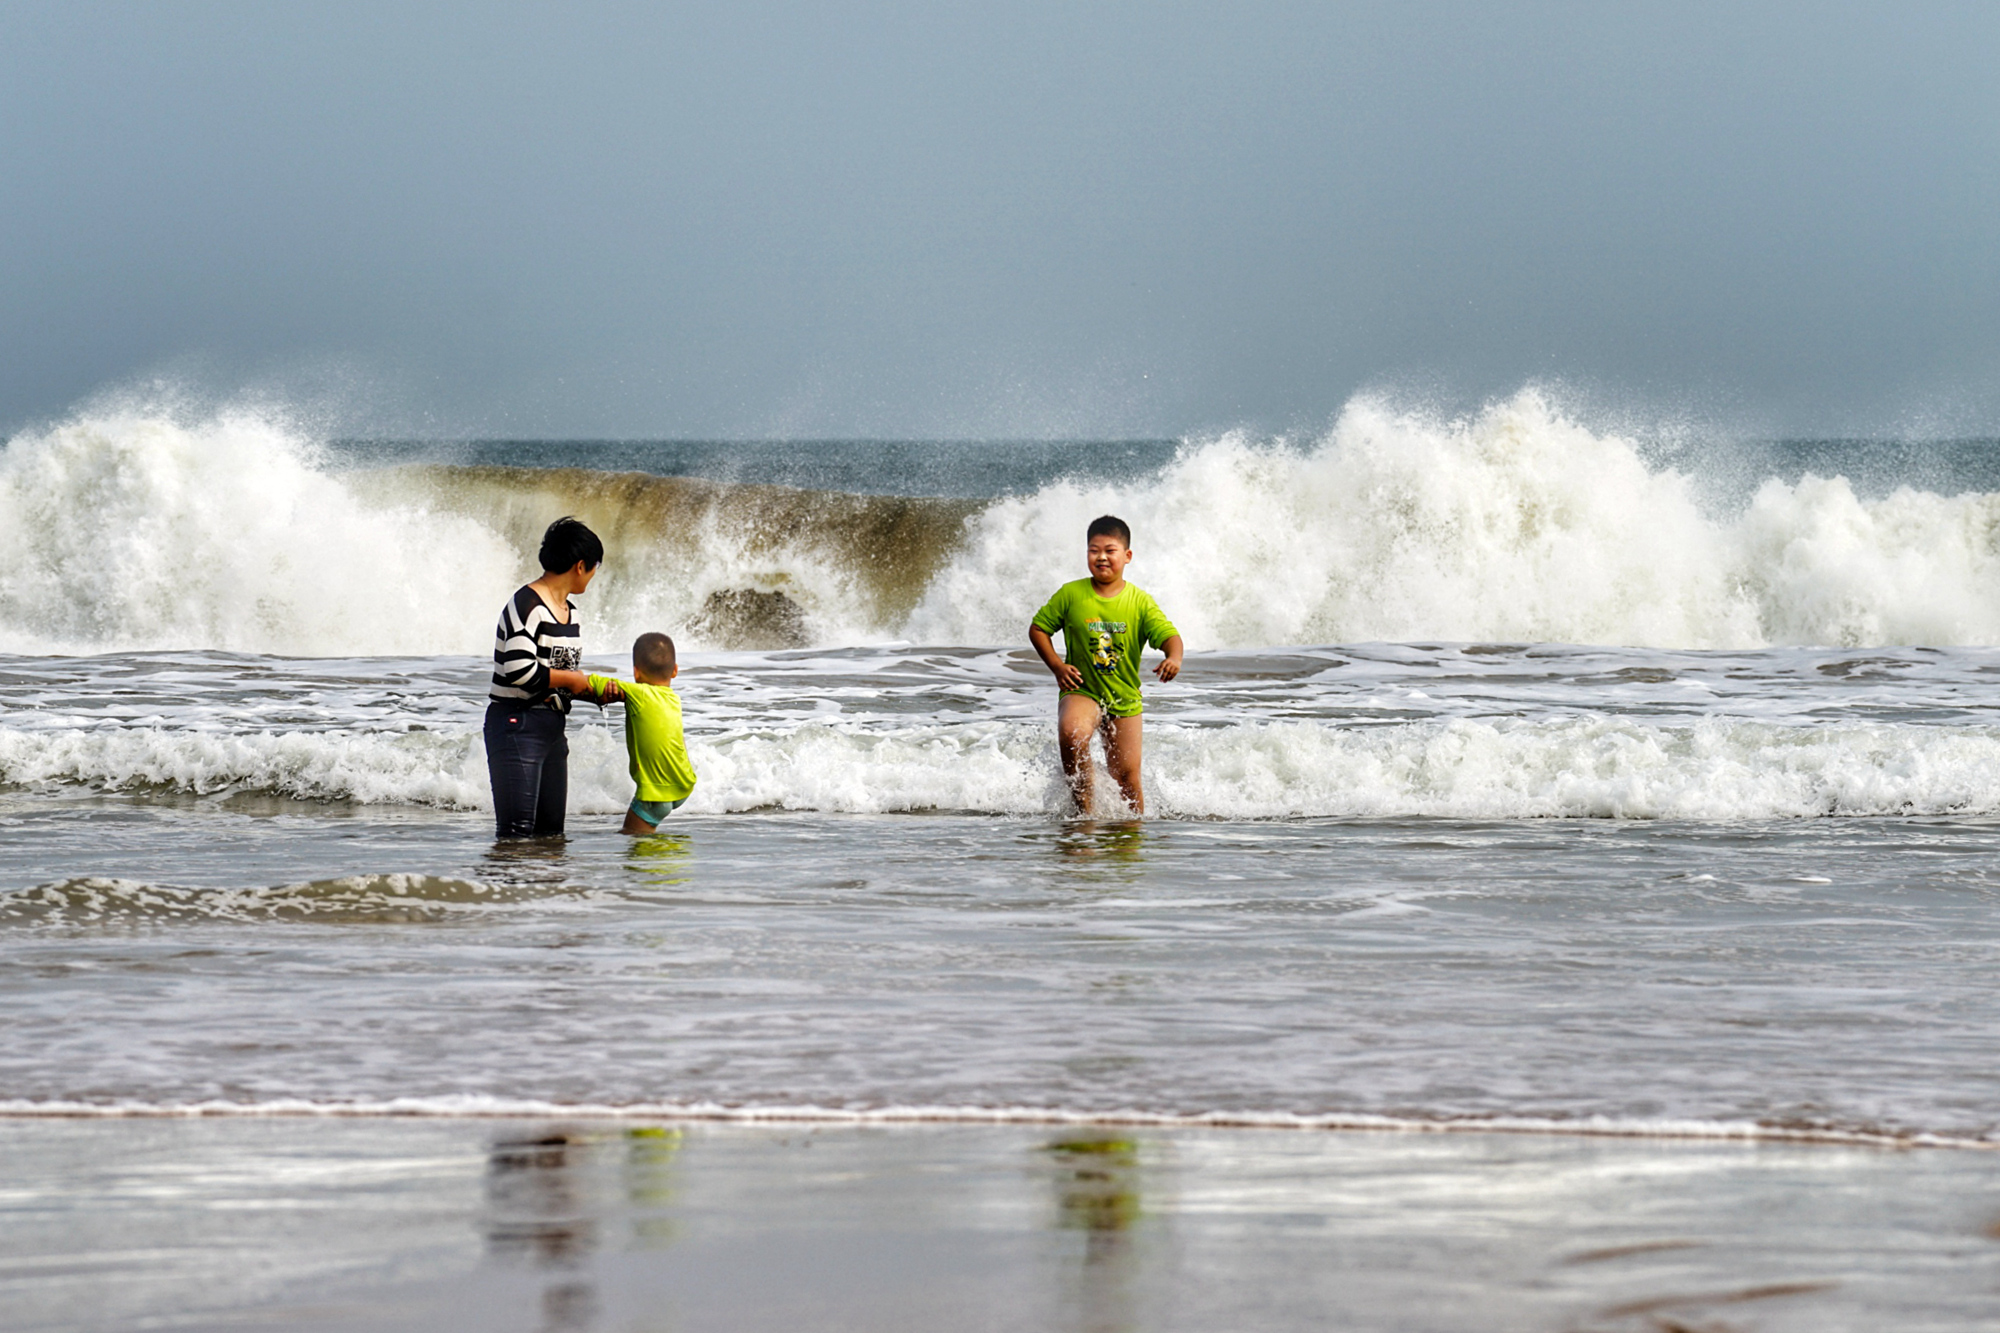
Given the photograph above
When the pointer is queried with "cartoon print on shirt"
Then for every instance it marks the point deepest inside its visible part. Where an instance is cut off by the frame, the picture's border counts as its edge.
(1103, 648)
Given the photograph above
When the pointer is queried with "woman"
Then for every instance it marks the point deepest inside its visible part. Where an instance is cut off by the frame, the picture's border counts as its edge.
(537, 653)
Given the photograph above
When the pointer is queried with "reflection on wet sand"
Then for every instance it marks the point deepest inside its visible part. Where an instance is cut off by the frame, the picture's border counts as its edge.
(1097, 1193)
(650, 1155)
(539, 1215)
(554, 1199)
(386, 1222)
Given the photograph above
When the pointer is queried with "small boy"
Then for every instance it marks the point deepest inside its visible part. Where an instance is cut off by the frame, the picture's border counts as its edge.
(653, 738)
(1105, 623)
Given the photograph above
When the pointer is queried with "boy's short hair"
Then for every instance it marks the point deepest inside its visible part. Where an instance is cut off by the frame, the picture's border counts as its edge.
(1108, 526)
(568, 541)
(653, 653)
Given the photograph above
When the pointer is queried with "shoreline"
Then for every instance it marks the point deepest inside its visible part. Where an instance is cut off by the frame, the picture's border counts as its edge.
(486, 1109)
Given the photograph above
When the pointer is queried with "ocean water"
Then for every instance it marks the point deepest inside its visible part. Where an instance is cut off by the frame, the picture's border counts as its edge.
(1524, 781)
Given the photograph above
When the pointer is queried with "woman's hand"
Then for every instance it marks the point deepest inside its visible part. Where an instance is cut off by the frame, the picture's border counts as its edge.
(570, 682)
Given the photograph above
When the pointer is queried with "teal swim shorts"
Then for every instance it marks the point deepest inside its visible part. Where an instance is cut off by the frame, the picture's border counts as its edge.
(654, 811)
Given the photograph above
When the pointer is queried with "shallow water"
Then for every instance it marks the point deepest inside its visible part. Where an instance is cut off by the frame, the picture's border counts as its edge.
(223, 882)
(1828, 974)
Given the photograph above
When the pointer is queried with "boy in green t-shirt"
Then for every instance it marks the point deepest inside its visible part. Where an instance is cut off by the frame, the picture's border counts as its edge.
(1105, 624)
(653, 738)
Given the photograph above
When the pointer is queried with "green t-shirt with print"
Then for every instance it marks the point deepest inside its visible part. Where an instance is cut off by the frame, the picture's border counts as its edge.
(1103, 637)
(660, 763)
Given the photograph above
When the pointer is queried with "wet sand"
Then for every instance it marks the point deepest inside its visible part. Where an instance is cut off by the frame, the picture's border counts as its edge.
(379, 1223)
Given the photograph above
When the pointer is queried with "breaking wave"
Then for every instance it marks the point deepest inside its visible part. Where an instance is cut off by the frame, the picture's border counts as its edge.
(1576, 767)
(424, 768)
(139, 531)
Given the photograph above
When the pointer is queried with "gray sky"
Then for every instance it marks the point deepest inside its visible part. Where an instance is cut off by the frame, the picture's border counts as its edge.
(1002, 219)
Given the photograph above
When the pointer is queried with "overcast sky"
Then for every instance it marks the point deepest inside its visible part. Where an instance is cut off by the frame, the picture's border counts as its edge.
(999, 219)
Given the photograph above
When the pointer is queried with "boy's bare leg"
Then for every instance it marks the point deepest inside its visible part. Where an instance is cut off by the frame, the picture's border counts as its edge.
(1077, 717)
(1124, 745)
(634, 824)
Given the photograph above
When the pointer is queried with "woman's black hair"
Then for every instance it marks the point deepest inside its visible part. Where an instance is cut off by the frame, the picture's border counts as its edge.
(568, 541)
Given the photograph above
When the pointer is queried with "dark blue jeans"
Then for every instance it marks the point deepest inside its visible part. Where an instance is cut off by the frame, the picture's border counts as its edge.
(527, 759)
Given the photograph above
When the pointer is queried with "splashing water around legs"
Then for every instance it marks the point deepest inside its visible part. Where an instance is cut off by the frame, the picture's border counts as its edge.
(1078, 720)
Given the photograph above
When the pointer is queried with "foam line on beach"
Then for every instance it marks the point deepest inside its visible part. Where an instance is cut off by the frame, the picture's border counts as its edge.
(470, 1106)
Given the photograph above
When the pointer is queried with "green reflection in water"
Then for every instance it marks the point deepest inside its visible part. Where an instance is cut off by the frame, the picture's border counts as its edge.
(661, 859)
(1114, 845)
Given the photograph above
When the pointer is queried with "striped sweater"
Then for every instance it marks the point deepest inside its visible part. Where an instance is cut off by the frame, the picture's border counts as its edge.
(528, 643)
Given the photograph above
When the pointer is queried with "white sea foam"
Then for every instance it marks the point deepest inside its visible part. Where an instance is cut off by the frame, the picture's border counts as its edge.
(1518, 524)
(1593, 766)
(345, 899)
(1602, 766)
(428, 768)
(129, 530)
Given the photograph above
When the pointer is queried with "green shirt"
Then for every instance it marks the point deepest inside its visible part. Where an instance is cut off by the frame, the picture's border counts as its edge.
(653, 738)
(1103, 637)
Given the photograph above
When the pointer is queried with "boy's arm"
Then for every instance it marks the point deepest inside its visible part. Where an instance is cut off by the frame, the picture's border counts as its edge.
(1067, 676)
(1160, 632)
(602, 689)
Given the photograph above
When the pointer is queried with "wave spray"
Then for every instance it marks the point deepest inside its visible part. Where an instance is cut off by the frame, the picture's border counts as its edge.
(1515, 525)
